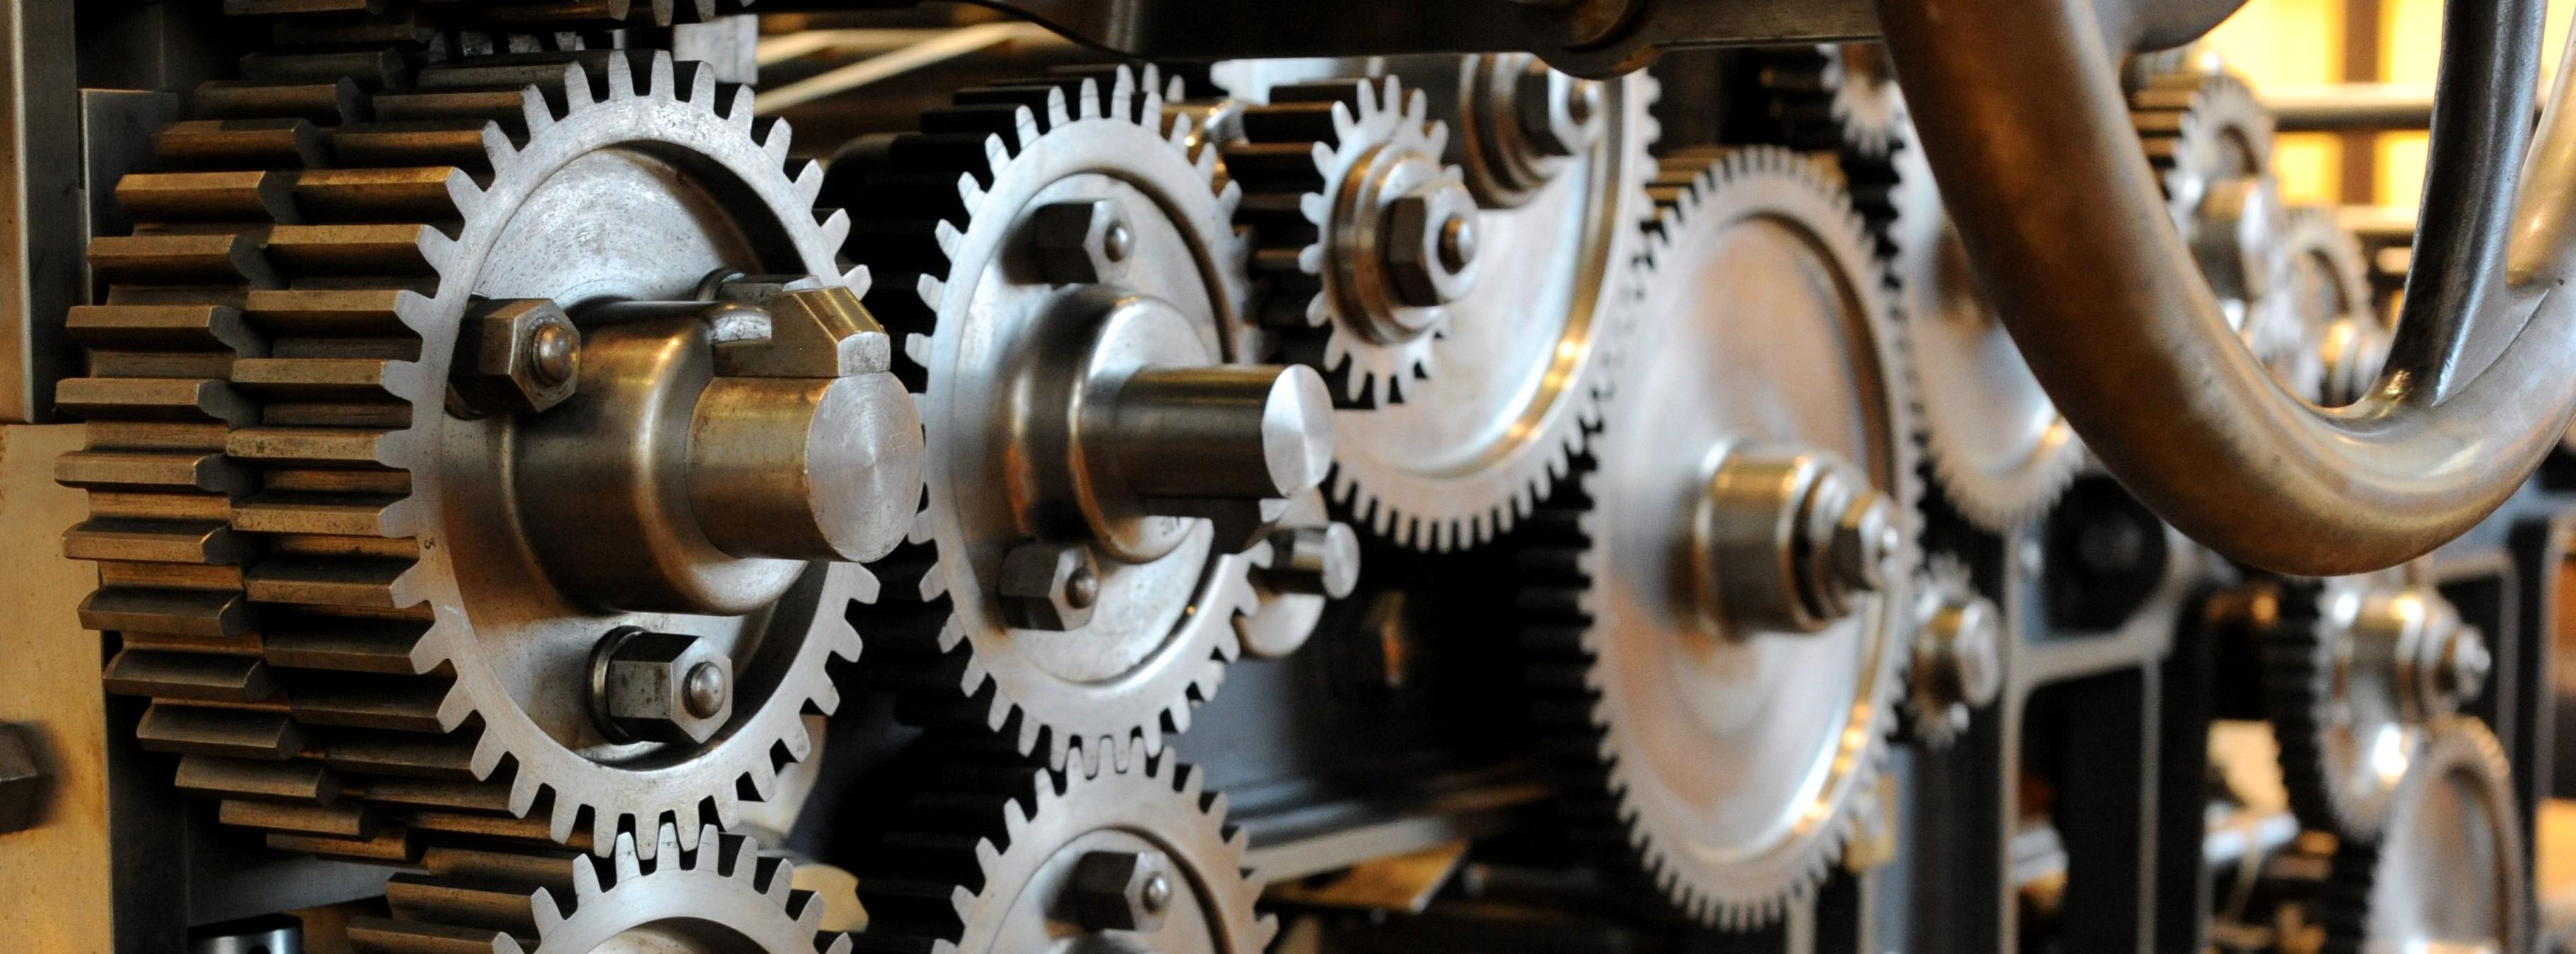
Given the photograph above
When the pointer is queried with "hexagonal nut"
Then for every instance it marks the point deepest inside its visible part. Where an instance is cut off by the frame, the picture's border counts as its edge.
(659, 687)
(1430, 243)
(1122, 890)
(1081, 243)
(21, 782)
(813, 330)
(516, 356)
(1049, 586)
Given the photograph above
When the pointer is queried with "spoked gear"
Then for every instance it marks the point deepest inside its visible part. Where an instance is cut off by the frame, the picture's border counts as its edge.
(1998, 445)
(1365, 236)
(1061, 254)
(2354, 670)
(721, 897)
(1016, 860)
(1559, 167)
(1837, 97)
(2447, 873)
(319, 572)
(1747, 512)
(2327, 290)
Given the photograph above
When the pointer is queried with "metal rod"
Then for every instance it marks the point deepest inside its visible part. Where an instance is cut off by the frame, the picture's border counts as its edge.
(947, 45)
(2350, 107)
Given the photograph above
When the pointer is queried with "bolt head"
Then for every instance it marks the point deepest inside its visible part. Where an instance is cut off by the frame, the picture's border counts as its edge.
(1081, 242)
(659, 687)
(1049, 586)
(21, 782)
(1970, 633)
(1314, 561)
(516, 356)
(2465, 664)
(1427, 263)
(1122, 890)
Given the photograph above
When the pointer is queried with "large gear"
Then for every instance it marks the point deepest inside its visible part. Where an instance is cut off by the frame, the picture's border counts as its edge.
(1012, 860)
(2448, 872)
(1322, 165)
(2354, 670)
(1559, 167)
(297, 535)
(721, 897)
(1733, 786)
(1998, 445)
(978, 328)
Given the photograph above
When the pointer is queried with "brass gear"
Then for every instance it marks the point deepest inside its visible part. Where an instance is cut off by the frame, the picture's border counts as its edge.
(285, 512)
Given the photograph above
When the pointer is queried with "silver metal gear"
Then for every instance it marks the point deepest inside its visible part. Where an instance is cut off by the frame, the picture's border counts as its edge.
(1998, 446)
(1837, 97)
(1956, 665)
(1012, 860)
(938, 208)
(2327, 290)
(2210, 141)
(301, 542)
(1319, 162)
(721, 897)
(2352, 678)
(1733, 787)
(1520, 370)
(2448, 871)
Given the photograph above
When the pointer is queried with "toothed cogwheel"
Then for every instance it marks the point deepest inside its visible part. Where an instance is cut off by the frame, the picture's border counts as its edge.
(1957, 663)
(1054, 251)
(2448, 872)
(2354, 670)
(324, 579)
(1022, 860)
(1559, 166)
(1837, 97)
(721, 897)
(2000, 449)
(1365, 236)
(1746, 513)
(2327, 291)
(2210, 142)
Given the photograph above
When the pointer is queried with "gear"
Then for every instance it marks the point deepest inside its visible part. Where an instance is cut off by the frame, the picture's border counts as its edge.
(2210, 140)
(2354, 668)
(1559, 166)
(1957, 661)
(299, 537)
(721, 897)
(1734, 793)
(2447, 873)
(1326, 167)
(1837, 97)
(987, 337)
(2327, 292)
(1998, 445)
(1027, 860)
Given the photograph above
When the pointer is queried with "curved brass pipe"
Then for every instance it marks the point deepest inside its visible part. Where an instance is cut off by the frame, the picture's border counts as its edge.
(2022, 119)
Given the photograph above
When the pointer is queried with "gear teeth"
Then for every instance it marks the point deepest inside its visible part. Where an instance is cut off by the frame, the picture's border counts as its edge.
(1557, 553)
(259, 394)
(976, 833)
(2462, 751)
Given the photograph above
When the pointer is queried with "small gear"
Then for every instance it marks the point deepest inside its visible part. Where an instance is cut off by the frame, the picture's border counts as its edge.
(2447, 872)
(320, 576)
(2327, 292)
(721, 897)
(949, 212)
(1733, 794)
(1328, 168)
(1021, 859)
(2354, 669)
(1837, 97)
(1558, 166)
(2210, 141)
(1957, 664)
